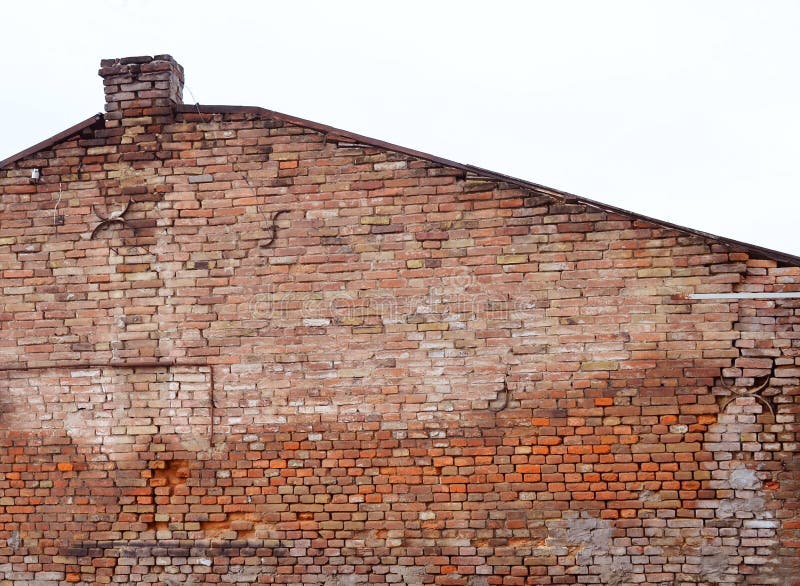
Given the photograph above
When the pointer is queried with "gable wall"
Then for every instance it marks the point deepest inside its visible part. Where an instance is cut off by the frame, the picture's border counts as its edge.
(405, 376)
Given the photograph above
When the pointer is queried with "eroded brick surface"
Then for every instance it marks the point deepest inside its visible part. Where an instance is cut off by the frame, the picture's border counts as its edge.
(408, 376)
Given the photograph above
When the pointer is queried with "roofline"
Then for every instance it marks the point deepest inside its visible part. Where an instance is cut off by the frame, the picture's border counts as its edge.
(52, 141)
(769, 253)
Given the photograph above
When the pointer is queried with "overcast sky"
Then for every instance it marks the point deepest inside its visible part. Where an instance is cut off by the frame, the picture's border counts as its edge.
(683, 110)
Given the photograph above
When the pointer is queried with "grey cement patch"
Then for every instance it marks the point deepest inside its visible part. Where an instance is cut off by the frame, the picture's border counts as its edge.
(616, 574)
(713, 563)
(242, 574)
(14, 540)
(589, 536)
(728, 508)
(341, 580)
(744, 479)
(410, 575)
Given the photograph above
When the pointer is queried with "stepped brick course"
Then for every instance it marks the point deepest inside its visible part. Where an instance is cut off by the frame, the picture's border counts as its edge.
(239, 348)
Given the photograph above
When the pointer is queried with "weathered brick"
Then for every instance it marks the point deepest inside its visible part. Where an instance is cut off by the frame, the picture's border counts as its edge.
(512, 259)
(376, 220)
(306, 358)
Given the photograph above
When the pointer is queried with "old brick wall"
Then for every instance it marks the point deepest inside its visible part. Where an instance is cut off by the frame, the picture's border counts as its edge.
(308, 360)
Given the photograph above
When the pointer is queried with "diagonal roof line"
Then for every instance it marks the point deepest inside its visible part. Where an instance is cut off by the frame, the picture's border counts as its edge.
(769, 253)
(762, 251)
(53, 140)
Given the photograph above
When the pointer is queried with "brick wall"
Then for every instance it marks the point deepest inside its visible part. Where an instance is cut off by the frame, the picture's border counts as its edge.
(304, 359)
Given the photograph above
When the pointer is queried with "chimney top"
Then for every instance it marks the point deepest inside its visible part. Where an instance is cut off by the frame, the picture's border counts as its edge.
(141, 87)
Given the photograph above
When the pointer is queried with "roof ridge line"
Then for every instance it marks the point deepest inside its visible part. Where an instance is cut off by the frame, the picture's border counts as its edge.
(769, 253)
(48, 142)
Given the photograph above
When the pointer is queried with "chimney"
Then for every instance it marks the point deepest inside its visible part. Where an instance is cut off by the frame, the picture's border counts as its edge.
(140, 88)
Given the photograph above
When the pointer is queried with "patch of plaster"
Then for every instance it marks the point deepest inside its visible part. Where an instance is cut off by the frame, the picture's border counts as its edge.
(728, 508)
(14, 540)
(241, 574)
(714, 563)
(590, 535)
(744, 479)
(341, 580)
(410, 575)
(649, 496)
(616, 574)
(590, 540)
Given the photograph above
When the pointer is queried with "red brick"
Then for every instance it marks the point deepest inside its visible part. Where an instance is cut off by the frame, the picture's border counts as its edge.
(411, 374)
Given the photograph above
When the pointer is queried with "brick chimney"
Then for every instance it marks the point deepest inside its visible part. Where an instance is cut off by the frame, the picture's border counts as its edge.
(138, 88)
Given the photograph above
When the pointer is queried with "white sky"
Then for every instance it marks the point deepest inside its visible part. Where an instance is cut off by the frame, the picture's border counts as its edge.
(684, 110)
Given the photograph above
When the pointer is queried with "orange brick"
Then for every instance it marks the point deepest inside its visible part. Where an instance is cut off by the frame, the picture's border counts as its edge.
(306, 348)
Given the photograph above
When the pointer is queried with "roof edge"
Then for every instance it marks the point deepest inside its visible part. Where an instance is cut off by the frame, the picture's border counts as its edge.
(53, 140)
(762, 251)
